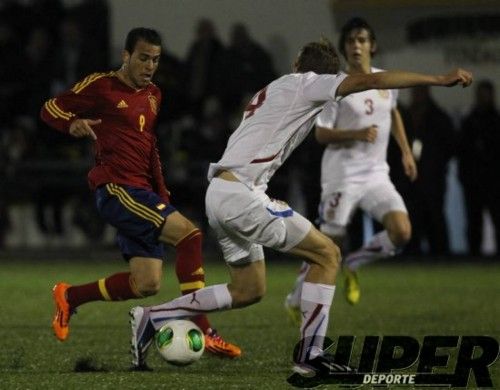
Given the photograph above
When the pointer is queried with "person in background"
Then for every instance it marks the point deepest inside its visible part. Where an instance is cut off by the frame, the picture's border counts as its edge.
(434, 143)
(354, 170)
(479, 165)
(202, 67)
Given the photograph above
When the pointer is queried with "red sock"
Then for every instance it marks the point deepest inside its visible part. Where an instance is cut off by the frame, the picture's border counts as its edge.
(117, 287)
(189, 270)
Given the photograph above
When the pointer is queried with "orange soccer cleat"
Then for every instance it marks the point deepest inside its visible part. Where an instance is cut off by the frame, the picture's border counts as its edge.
(60, 322)
(215, 344)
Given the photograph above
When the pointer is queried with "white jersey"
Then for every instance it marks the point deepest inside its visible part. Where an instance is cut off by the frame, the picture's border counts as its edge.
(275, 122)
(356, 161)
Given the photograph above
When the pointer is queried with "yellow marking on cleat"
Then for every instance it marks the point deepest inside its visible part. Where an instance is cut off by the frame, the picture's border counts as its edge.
(352, 288)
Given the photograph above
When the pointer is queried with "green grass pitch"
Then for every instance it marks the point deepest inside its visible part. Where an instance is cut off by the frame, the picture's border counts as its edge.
(399, 298)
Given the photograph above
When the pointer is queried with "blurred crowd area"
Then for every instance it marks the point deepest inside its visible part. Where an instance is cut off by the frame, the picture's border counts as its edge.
(44, 200)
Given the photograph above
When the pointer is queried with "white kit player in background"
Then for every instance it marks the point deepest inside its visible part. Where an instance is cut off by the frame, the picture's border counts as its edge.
(245, 219)
(354, 170)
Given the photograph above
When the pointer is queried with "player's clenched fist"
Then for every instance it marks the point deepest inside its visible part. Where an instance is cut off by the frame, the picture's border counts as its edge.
(83, 128)
(457, 76)
(368, 134)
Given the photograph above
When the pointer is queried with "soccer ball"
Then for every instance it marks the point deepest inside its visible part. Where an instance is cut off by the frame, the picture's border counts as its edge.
(180, 342)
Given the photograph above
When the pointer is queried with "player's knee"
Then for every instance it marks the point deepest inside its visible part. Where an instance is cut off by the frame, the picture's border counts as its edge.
(148, 287)
(329, 254)
(176, 228)
(400, 235)
(248, 295)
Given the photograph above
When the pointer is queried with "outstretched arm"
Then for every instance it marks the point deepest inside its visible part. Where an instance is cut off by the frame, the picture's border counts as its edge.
(401, 79)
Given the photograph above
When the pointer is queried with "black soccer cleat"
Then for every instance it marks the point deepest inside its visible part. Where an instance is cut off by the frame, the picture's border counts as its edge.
(322, 364)
(320, 370)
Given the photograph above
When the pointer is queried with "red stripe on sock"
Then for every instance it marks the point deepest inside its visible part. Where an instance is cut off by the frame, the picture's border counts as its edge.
(315, 313)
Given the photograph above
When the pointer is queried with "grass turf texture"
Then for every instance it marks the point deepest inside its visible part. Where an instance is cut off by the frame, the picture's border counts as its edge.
(398, 298)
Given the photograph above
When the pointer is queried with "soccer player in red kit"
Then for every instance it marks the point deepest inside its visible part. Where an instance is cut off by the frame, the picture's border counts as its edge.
(118, 110)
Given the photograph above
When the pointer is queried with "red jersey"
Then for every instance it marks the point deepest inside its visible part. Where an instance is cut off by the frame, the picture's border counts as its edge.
(125, 149)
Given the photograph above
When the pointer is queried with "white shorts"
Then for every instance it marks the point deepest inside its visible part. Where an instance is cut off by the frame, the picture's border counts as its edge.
(376, 196)
(246, 220)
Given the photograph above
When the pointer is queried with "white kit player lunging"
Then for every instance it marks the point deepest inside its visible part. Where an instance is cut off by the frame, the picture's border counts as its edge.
(245, 219)
(354, 171)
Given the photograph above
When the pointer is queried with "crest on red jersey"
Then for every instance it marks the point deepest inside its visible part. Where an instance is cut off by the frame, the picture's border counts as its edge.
(153, 102)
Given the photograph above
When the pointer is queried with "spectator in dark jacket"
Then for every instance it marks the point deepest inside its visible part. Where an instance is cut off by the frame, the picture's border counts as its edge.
(433, 146)
(479, 164)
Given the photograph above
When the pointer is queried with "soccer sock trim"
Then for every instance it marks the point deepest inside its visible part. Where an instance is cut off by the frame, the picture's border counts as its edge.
(188, 287)
(133, 287)
(102, 289)
(318, 293)
(117, 287)
(191, 234)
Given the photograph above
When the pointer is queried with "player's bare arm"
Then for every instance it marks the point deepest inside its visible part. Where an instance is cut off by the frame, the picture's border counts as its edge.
(399, 134)
(83, 128)
(326, 136)
(401, 79)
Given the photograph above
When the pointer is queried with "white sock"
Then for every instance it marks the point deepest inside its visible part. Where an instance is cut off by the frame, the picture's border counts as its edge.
(205, 300)
(315, 307)
(380, 246)
(293, 299)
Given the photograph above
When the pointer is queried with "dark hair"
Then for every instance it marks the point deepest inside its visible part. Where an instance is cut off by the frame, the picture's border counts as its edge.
(318, 57)
(351, 25)
(141, 33)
